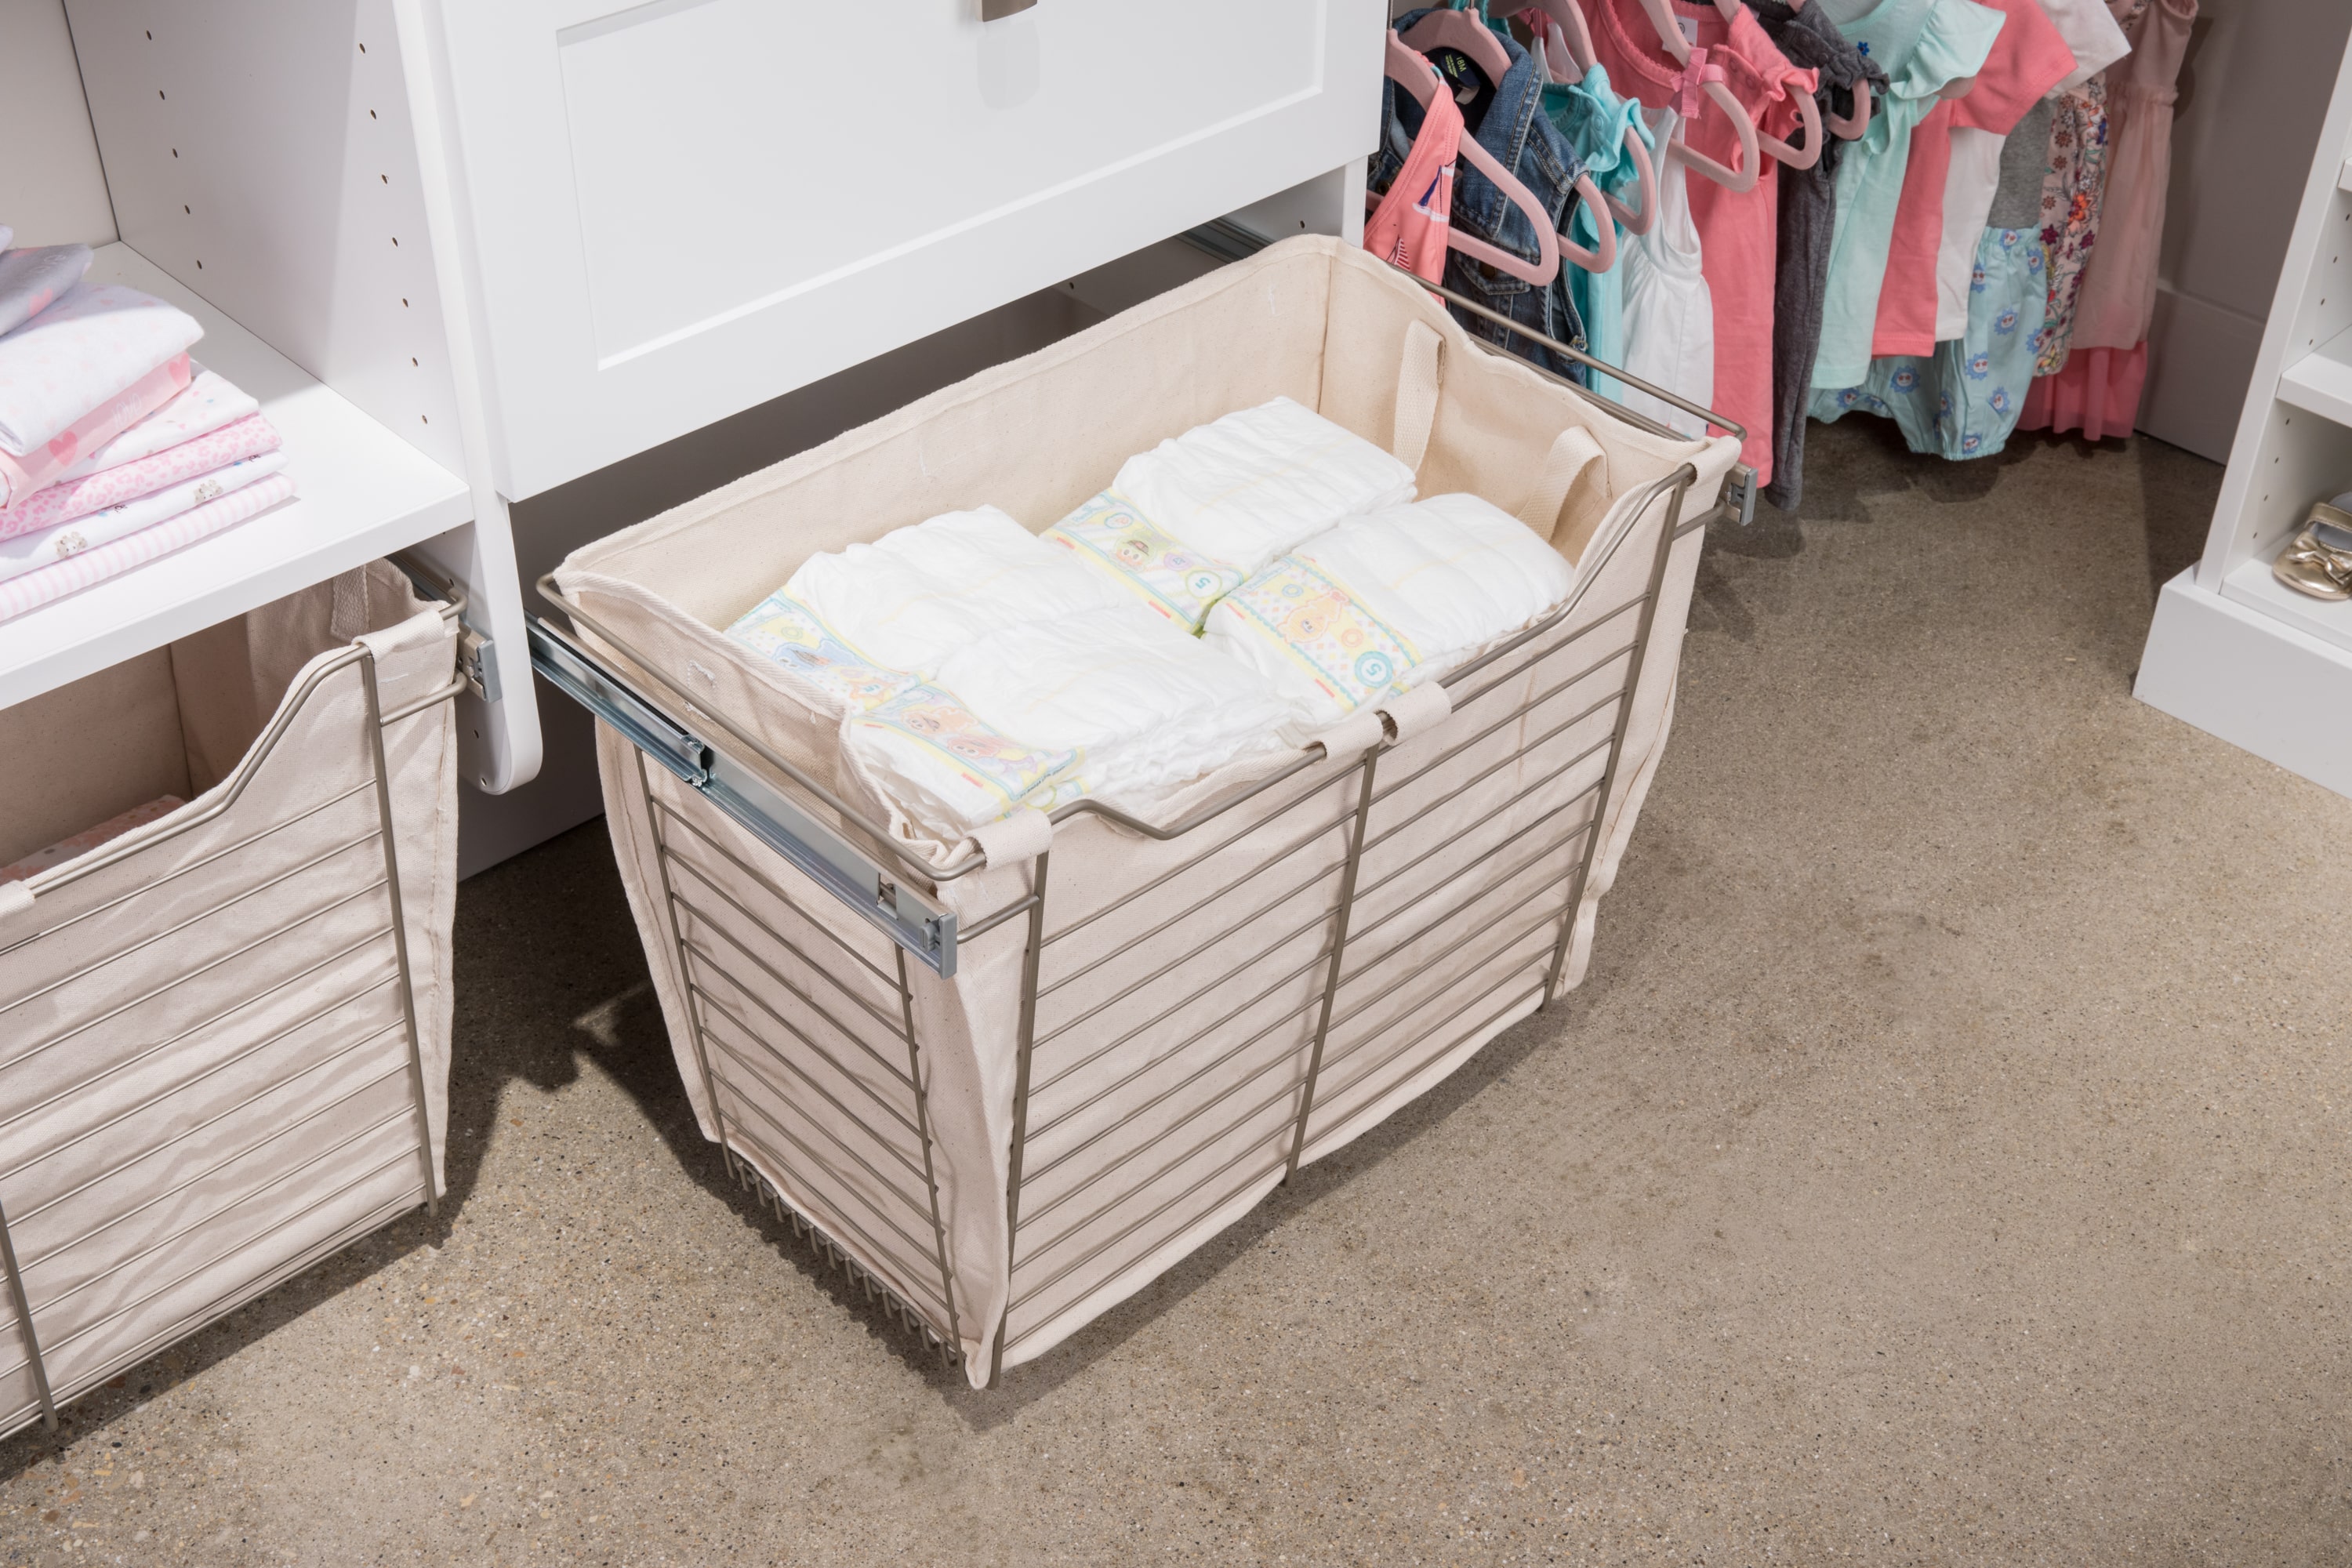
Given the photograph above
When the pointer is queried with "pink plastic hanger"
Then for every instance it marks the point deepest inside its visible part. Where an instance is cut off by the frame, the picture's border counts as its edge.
(1850, 127)
(1569, 25)
(1419, 77)
(1463, 32)
(1567, 19)
(1809, 117)
(1741, 177)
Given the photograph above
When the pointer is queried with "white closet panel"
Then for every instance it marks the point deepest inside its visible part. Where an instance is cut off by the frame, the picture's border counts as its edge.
(679, 209)
(52, 191)
(259, 151)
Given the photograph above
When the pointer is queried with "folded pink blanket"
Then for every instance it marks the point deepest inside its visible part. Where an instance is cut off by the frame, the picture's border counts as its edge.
(21, 477)
(210, 402)
(70, 499)
(32, 279)
(34, 589)
(86, 349)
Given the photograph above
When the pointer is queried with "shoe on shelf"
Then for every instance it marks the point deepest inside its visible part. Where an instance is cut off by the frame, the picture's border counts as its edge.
(2319, 560)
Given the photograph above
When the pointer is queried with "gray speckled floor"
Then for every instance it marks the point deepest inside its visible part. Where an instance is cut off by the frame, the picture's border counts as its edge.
(1945, 1162)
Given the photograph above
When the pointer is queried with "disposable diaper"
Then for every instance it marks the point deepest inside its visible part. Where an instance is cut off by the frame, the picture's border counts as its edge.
(1243, 489)
(1175, 583)
(948, 770)
(1383, 602)
(1149, 707)
(916, 595)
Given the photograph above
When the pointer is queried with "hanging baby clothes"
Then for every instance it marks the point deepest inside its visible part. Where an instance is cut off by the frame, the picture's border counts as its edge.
(1737, 230)
(1506, 119)
(2098, 389)
(1922, 44)
(1808, 214)
(1408, 228)
(1963, 400)
(1595, 121)
(1669, 313)
(2029, 60)
(2072, 192)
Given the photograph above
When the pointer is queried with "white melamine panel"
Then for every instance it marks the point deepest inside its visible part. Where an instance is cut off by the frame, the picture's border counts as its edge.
(51, 192)
(681, 209)
(360, 493)
(259, 151)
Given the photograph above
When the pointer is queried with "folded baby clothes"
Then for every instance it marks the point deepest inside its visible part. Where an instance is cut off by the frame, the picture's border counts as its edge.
(189, 461)
(86, 349)
(1149, 707)
(35, 471)
(32, 279)
(947, 771)
(1243, 489)
(210, 402)
(34, 589)
(917, 595)
(30, 552)
(1179, 584)
(1381, 604)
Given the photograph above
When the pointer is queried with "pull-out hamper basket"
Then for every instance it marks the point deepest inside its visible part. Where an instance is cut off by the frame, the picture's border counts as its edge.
(223, 1034)
(1010, 1084)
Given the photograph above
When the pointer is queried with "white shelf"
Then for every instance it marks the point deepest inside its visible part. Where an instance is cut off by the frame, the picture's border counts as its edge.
(362, 491)
(2321, 381)
(2252, 586)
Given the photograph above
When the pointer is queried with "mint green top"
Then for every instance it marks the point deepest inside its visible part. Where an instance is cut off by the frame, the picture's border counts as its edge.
(1923, 46)
(1594, 121)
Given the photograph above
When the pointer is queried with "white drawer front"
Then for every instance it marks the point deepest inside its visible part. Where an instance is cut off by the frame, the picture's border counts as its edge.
(682, 208)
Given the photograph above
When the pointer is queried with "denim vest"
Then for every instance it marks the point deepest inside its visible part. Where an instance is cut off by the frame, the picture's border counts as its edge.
(1524, 141)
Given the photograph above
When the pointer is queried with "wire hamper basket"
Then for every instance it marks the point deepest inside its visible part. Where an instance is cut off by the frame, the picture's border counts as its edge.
(1002, 1096)
(224, 1036)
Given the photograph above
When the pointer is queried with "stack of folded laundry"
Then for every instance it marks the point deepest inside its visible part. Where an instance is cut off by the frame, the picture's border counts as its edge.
(1236, 590)
(115, 447)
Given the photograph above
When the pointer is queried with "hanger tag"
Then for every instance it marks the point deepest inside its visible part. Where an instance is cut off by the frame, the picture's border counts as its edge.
(1689, 25)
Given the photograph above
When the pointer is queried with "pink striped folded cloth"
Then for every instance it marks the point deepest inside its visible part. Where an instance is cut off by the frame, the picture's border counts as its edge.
(48, 546)
(35, 589)
(64, 502)
(20, 476)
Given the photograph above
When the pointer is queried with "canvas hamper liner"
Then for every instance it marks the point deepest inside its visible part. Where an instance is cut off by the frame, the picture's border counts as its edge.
(1118, 1069)
(209, 1078)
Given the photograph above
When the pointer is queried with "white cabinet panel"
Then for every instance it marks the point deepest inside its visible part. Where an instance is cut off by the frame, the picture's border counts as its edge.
(679, 209)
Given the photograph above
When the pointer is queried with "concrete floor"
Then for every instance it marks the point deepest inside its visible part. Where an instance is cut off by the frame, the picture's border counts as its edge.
(1945, 1162)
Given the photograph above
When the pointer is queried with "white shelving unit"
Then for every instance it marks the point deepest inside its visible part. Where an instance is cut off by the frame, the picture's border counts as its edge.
(2232, 650)
(362, 492)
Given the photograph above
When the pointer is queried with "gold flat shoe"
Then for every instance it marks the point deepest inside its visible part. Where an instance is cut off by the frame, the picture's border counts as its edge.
(2319, 561)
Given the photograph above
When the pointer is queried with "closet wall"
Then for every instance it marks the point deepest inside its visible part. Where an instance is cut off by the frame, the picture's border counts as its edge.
(51, 189)
(2252, 94)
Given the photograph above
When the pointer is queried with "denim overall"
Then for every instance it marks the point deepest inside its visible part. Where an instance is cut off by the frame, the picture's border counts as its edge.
(1523, 140)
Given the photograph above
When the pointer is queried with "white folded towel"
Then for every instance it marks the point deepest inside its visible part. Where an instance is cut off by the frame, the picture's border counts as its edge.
(1381, 604)
(1243, 489)
(97, 340)
(32, 279)
(916, 595)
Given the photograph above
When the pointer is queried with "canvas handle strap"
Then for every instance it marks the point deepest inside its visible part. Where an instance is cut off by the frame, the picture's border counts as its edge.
(1573, 451)
(349, 617)
(1416, 393)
